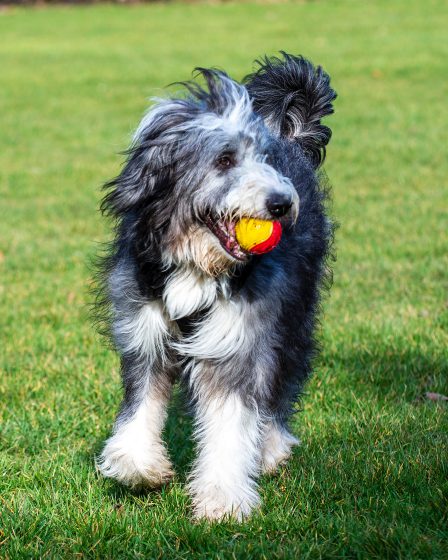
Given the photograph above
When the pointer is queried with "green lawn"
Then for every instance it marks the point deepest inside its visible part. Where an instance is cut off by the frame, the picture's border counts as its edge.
(370, 480)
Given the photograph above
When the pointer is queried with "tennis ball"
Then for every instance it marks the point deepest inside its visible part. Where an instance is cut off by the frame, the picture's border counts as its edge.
(258, 236)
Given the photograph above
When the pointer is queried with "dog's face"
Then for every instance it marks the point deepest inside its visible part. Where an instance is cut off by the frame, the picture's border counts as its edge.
(223, 174)
(197, 166)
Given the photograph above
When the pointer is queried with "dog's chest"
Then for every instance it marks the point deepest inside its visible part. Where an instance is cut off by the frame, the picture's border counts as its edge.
(209, 320)
(189, 291)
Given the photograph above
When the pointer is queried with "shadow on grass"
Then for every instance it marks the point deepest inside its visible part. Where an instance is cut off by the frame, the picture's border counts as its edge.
(396, 371)
(178, 434)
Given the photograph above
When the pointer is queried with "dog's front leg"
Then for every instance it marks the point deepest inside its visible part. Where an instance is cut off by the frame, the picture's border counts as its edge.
(135, 454)
(222, 481)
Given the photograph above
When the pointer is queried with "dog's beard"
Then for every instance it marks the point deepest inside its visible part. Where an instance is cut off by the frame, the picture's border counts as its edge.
(198, 246)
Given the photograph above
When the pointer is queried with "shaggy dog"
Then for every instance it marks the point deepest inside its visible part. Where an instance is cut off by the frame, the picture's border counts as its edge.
(186, 302)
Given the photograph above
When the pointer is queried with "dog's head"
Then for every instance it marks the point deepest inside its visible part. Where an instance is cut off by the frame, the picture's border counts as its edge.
(201, 162)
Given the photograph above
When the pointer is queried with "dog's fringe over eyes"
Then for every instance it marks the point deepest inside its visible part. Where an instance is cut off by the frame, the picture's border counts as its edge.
(184, 303)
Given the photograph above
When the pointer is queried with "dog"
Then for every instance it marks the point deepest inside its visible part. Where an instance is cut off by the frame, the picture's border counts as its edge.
(185, 302)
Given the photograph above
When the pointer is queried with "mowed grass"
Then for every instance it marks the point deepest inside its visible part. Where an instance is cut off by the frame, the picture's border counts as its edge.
(370, 480)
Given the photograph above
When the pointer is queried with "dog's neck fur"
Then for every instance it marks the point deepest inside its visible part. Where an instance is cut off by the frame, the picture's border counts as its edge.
(185, 288)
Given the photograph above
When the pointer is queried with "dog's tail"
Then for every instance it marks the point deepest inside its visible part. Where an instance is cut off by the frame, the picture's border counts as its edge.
(292, 96)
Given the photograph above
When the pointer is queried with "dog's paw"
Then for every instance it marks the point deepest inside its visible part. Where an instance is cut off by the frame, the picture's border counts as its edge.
(277, 448)
(215, 504)
(136, 468)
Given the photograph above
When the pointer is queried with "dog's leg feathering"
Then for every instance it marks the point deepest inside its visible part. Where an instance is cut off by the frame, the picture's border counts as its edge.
(277, 446)
(135, 454)
(222, 481)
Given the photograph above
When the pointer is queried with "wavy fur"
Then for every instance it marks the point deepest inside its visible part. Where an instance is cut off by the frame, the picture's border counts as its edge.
(237, 331)
(293, 96)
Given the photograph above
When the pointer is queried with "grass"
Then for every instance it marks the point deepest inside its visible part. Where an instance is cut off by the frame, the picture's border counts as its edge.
(370, 480)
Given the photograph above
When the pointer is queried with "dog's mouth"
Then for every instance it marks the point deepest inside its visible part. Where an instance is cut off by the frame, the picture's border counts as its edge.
(224, 230)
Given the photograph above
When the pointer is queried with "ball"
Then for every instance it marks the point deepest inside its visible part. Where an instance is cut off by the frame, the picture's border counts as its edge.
(258, 236)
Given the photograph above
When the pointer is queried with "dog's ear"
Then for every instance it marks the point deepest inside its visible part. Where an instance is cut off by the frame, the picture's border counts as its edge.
(292, 96)
(149, 164)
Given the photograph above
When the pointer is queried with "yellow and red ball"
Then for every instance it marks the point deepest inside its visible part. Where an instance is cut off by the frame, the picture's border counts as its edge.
(258, 236)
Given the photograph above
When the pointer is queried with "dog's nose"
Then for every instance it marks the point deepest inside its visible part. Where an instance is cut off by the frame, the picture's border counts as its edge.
(278, 204)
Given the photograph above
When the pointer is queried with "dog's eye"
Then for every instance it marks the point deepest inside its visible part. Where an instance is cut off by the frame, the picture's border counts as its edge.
(225, 161)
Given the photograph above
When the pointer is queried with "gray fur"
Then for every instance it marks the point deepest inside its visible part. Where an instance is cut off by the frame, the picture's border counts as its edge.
(234, 329)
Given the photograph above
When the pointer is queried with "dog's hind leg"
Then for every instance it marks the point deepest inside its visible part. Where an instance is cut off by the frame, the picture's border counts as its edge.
(277, 446)
(135, 454)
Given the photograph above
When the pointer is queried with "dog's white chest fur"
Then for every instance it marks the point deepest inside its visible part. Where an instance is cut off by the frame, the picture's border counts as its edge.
(189, 290)
(220, 332)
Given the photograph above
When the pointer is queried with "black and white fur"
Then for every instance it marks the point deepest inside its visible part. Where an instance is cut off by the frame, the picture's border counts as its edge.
(185, 303)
